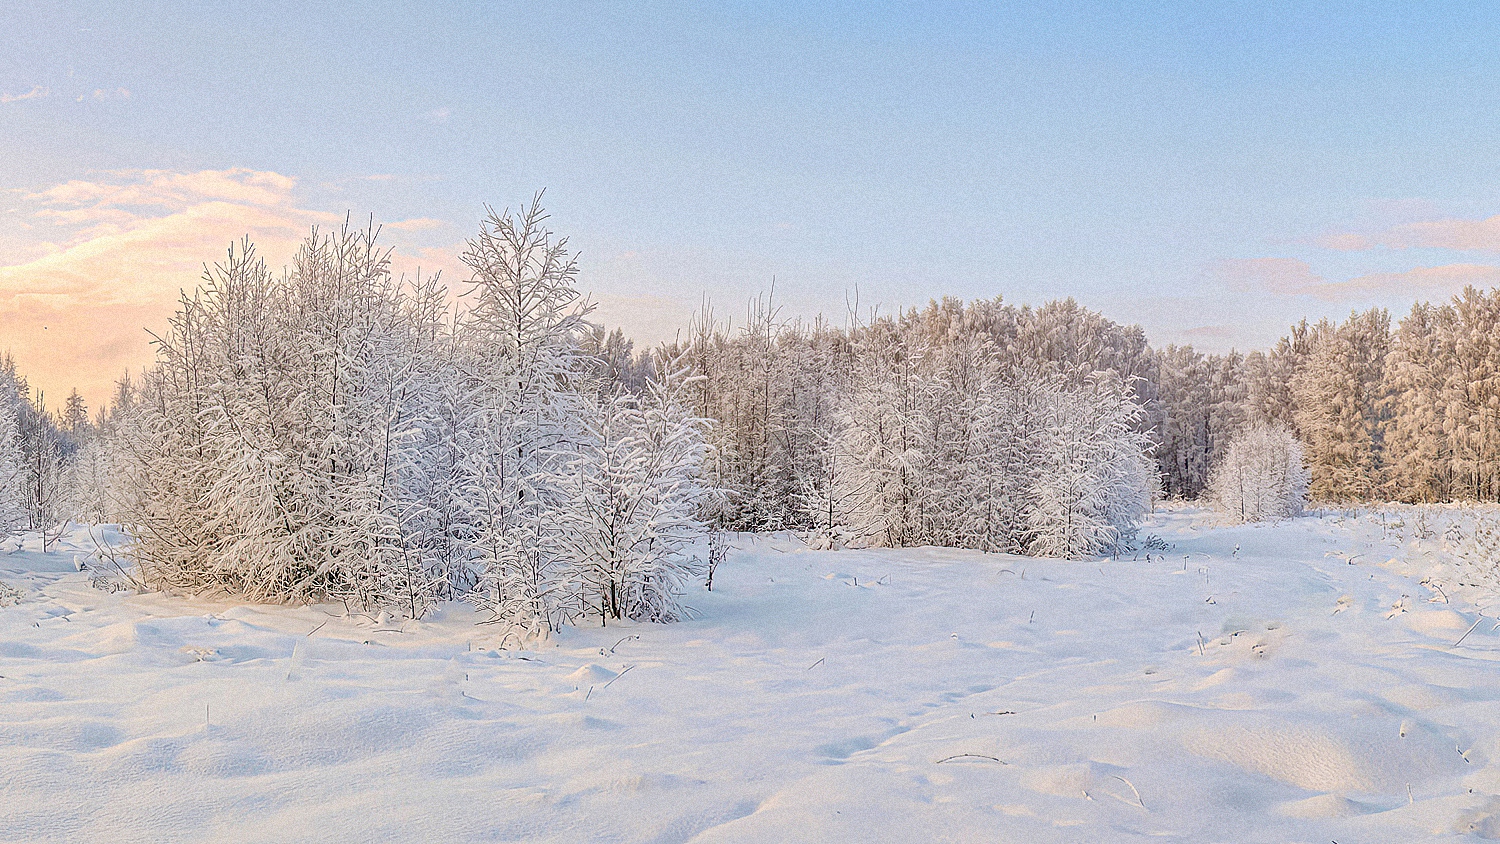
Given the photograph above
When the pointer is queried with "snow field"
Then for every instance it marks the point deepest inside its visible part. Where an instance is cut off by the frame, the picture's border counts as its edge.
(1243, 684)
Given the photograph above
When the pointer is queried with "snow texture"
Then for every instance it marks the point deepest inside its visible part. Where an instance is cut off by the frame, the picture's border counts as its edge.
(1318, 679)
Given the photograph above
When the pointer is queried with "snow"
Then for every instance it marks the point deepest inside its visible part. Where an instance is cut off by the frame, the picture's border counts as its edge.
(1286, 682)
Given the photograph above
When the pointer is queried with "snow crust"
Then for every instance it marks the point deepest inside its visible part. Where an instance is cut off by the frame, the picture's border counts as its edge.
(1289, 682)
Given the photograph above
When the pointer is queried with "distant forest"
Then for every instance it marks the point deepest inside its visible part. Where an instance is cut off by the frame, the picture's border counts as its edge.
(1410, 414)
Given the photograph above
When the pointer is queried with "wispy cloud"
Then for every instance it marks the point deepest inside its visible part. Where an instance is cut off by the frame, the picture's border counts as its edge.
(1283, 276)
(1423, 282)
(1344, 242)
(166, 189)
(1212, 332)
(121, 247)
(36, 92)
(1452, 233)
(417, 224)
(1293, 277)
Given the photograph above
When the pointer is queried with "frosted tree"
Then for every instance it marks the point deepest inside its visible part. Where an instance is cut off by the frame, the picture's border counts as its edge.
(522, 338)
(13, 517)
(627, 511)
(1092, 479)
(1262, 476)
(1471, 394)
(264, 450)
(1416, 449)
(75, 417)
(1066, 339)
(1270, 377)
(884, 442)
(1184, 449)
(616, 367)
(86, 477)
(1338, 406)
(43, 452)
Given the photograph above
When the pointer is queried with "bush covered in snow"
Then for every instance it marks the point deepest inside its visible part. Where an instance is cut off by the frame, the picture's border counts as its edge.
(337, 433)
(1262, 477)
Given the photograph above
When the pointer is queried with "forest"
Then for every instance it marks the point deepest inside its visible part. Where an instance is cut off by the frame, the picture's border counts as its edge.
(337, 433)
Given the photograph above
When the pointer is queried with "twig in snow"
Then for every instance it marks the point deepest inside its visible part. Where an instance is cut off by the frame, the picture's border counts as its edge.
(618, 676)
(815, 664)
(1138, 800)
(1467, 632)
(1398, 608)
(316, 629)
(106, 552)
(969, 756)
(622, 641)
(1433, 584)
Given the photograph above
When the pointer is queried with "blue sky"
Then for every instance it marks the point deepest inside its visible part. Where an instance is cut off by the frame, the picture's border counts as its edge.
(1210, 171)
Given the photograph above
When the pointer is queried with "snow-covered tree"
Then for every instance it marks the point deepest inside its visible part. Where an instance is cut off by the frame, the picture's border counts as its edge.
(1417, 465)
(75, 417)
(1091, 479)
(522, 338)
(13, 515)
(44, 449)
(627, 509)
(1338, 406)
(263, 453)
(1262, 476)
(1470, 393)
(945, 439)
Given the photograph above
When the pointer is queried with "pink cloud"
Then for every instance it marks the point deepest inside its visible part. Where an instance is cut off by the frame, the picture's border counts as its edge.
(1285, 276)
(1345, 242)
(36, 92)
(416, 224)
(1424, 282)
(1293, 277)
(127, 189)
(77, 314)
(1457, 234)
(1478, 235)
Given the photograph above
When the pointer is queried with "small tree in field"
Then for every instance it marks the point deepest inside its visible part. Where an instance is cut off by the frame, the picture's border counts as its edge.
(1262, 477)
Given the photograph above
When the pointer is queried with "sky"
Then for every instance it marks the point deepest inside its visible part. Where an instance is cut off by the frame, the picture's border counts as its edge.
(1210, 171)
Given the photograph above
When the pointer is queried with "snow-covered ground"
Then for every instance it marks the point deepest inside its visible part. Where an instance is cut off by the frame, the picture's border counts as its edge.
(1296, 682)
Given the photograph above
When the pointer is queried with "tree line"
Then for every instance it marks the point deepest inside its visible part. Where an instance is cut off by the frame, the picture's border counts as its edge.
(1409, 413)
(336, 433)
